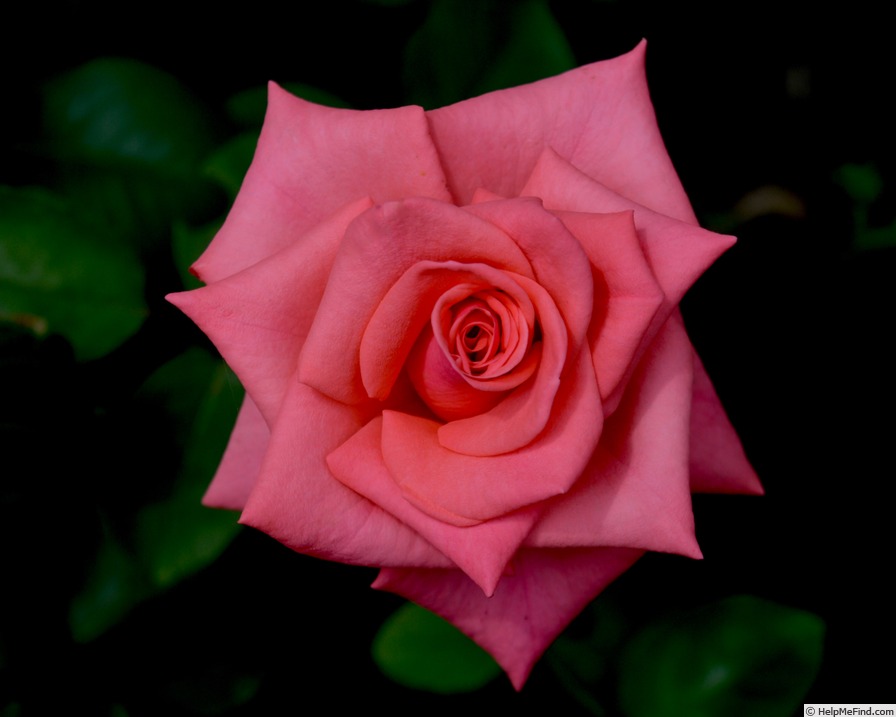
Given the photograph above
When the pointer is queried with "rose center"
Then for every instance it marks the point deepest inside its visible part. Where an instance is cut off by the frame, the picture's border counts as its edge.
(482, 329)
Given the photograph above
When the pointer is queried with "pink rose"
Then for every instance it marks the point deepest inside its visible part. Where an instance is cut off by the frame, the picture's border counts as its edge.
(464, 362)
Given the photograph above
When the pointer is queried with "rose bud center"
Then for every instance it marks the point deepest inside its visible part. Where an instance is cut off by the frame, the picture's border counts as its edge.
(479, 346)
(484, 332)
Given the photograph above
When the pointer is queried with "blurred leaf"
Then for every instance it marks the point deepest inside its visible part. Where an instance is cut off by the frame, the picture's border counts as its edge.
(175, 536)
(187, 244)
(178, 536)
(213, 690)
(129, 139)
(115, 585)
(581, 656)
(861, 181)
(58, 267)
(876, 238)
(248, 107)
(418, 649)
(116, 112)
(865, 185)
(468, 47)
(228, 164)
(739, 656)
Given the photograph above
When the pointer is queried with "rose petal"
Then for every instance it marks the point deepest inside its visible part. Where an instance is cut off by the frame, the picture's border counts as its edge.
(377, 249)
(530, 607)
(560, 264)
(677, 252)
(258, 318)
(465, 490)
(718, 462)
(598, 117)
(408, 306)
(310, 161)
(297, 501)
(627, 295)
(636, 492)
(241, 462)
(525, 412)
(481, 551)
(442, 387)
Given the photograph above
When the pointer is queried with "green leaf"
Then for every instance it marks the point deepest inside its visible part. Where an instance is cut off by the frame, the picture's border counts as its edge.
(117, 112)
(213, 689)
(114, 586)
(228, 164)
(60, 270)
(581, 657)
(177, 536)
(861, 181)
(418, 649)
(468, 47)
(739, 656)
(129, 140)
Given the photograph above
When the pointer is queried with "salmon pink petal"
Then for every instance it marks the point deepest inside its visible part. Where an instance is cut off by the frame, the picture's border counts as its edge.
(718, 462)
(377, 249)
(523, 414)
(627, 295)
(241, 463)
(560, 264)
(415, 300)
(310, 161)
(635, 492)
(481, 551)
(466, 490)
(532, 605)
(598, 117)
(439, 384)
(298, 501)
(677, 252)
(258, 318)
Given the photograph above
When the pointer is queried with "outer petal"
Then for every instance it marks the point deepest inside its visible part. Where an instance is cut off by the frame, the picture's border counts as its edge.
(598, 117)
(481, 551)
(531, 606)
(259, 317)
(677, 252)
(635, 492)
(242, 459)
(298, 501)
(310, 161)
(627, 295)
(718, 462)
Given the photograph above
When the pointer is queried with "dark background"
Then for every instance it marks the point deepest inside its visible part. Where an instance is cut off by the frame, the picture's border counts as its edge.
(793, 325)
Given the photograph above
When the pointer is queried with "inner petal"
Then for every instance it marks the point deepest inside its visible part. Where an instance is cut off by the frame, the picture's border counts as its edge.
(487, 332)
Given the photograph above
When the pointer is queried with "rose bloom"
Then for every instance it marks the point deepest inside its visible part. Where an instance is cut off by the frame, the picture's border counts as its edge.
(463, 358)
